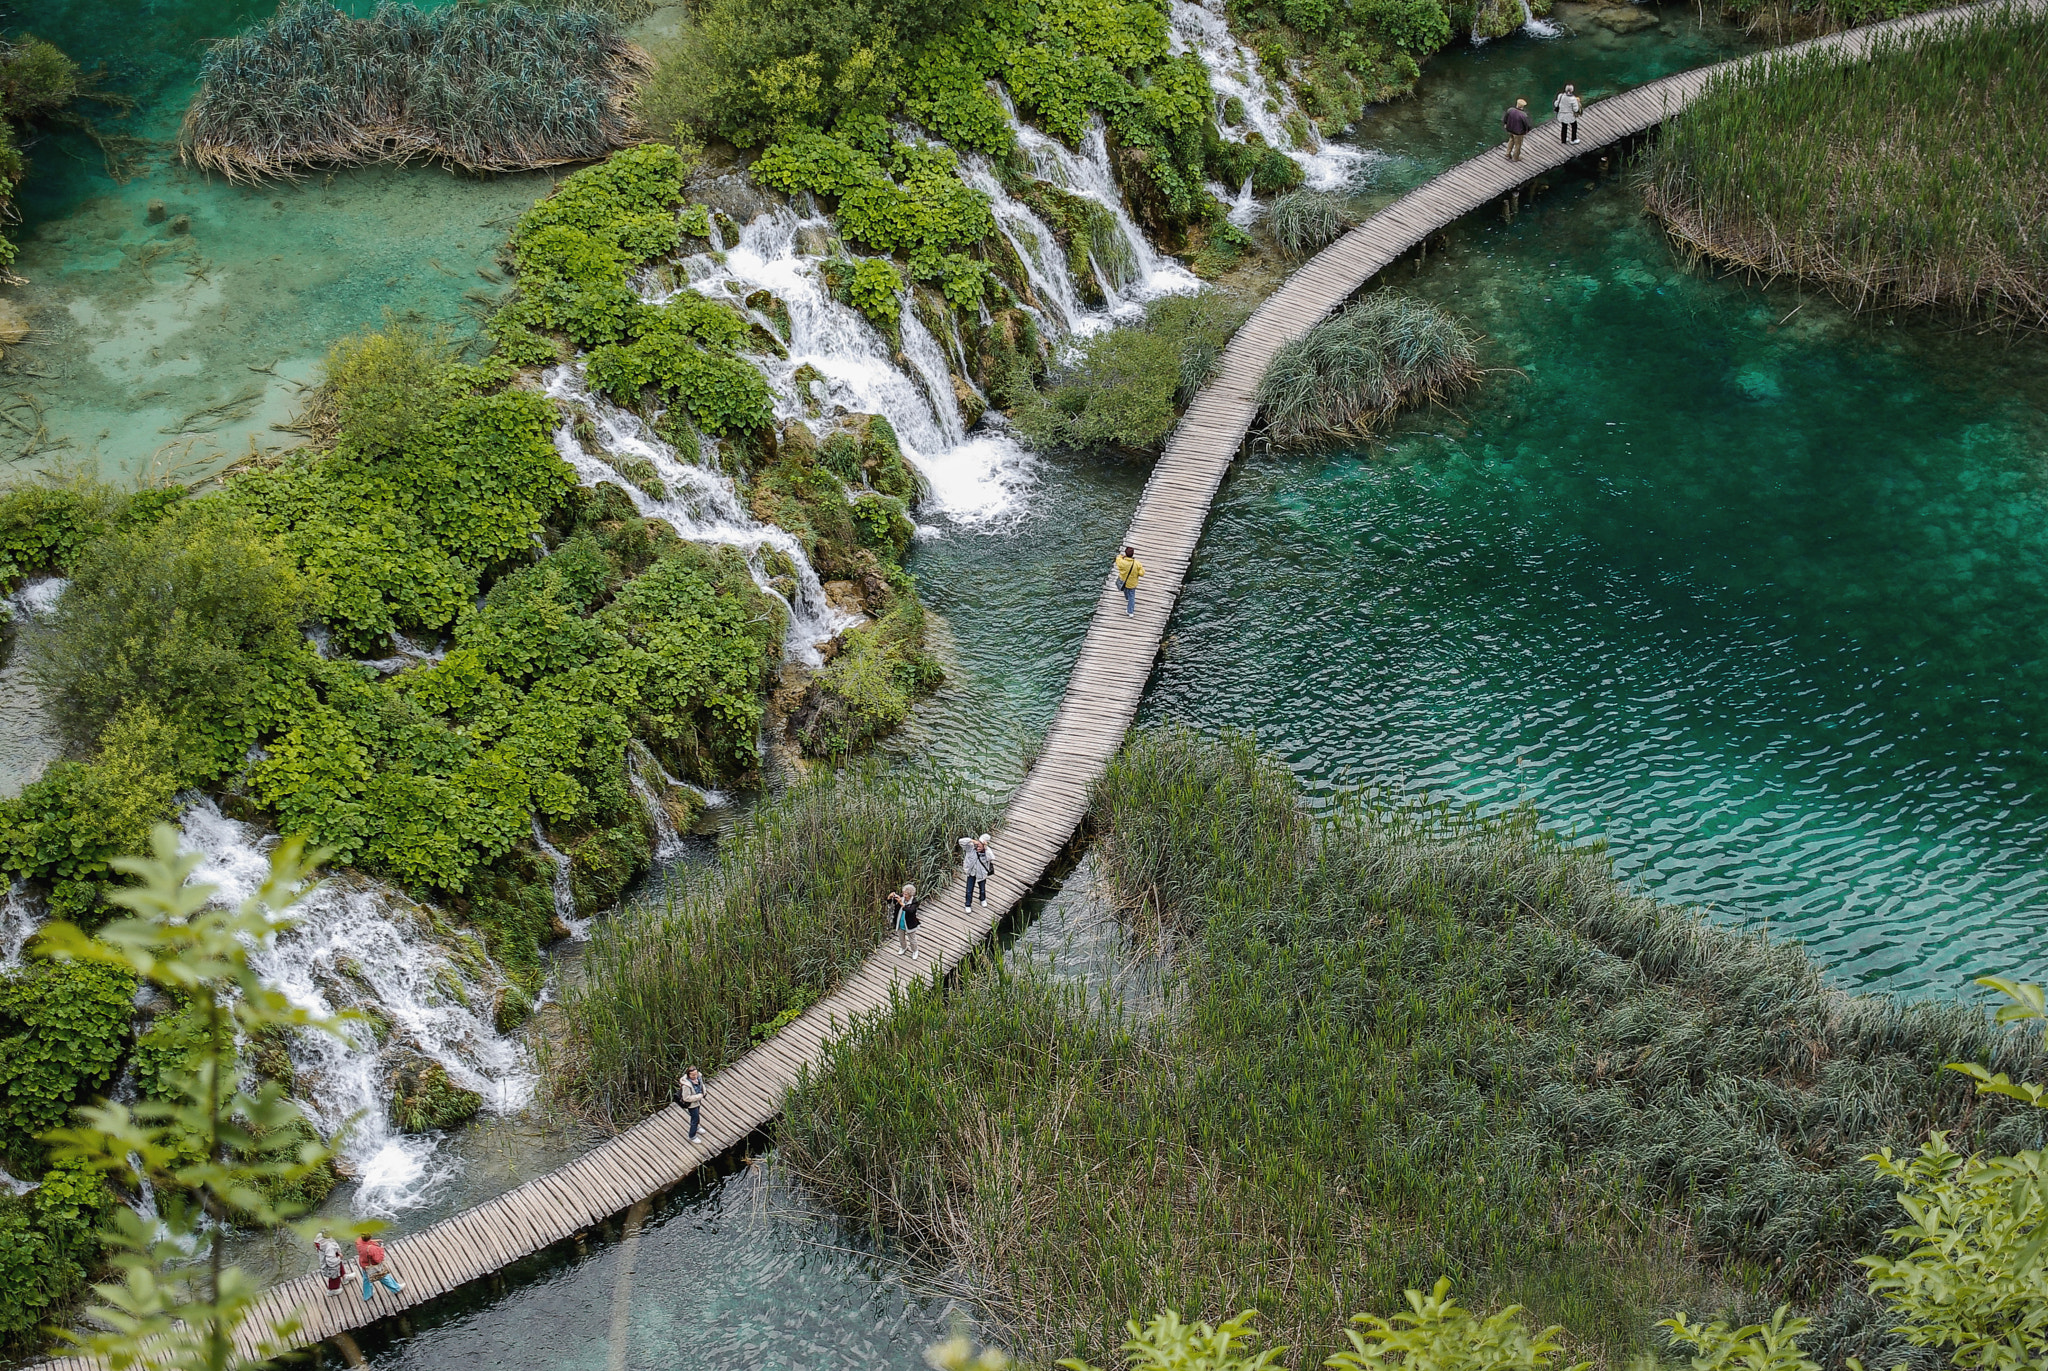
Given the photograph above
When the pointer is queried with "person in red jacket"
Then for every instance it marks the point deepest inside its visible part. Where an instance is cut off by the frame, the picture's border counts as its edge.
(374, 1268)
(1516, 122)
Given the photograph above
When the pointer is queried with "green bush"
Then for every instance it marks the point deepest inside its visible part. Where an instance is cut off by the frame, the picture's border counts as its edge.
(48, 1250)
(46, 528)
(63, 1032)
(868, 688)
(1359, 367)
(1304, 222)
(195, 619)
(1128, 387)
(876, 289)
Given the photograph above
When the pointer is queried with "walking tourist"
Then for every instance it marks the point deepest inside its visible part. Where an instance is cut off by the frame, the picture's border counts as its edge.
(1128, 570)
(374, 1269)
(690, 1095)
(332, 1266)
(1567, 105)
(1516, 122)
(906, 921)
(979, 862)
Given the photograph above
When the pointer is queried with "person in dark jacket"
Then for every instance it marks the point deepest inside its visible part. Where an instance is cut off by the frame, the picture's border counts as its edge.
(1516, 122)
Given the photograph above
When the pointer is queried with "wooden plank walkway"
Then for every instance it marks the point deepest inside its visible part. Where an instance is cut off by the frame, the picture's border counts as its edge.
(1101, 700)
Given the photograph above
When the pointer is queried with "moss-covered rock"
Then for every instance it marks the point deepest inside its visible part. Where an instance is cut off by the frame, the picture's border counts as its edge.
(424, 1100)
(868, 687)
(602, 863)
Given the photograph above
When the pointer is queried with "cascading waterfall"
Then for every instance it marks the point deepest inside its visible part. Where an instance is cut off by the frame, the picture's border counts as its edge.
(1234, 71)
(1537, 28)
(1059, 308)
(355, 944)
(18, 923)
(565, 888)
(668, 844)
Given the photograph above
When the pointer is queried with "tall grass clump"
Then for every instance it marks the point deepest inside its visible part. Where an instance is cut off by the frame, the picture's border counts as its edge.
(1304, 222)
(1915, 177)
(794, 903)
(1356, 369)
(485, 88)
(1398, 1042)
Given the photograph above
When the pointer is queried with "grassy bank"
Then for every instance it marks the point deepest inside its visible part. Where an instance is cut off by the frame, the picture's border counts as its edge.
(794, 905)
(485, 88)
(1398, 1044)
(1915, 177)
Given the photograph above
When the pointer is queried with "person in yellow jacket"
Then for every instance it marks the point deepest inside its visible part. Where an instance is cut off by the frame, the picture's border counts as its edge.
(1128, 570)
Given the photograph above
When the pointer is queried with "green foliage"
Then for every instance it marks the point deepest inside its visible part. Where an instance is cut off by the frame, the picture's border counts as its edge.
(1437, 1334)
(48, 1249)
(1390, 1036)
(1167, 1344)
(37, 81)
(1772, 1346)
(211, 1147)
(65, 828)
(487, 88)
(1128, 387)
(63, 1028)
(1337, 59)
(795, 903)
(46, 528)
(868, 688)
(1911, 174)
(194, 619)
(424, 1100)
(876, 290)
(1362, 365)
(575, 249)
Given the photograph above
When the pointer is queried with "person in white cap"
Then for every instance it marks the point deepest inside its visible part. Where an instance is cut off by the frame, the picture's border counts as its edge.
(978, 860)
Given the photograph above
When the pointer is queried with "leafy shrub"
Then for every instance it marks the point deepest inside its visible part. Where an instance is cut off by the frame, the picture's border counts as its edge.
(875, 289)
(1129, 385)
(63, 1030)
(46, 528)
(1361, 365)
(195, 619)
(868, 688)
(48, 1249)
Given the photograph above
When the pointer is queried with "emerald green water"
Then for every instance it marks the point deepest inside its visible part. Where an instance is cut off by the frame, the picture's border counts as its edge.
(1747, 588)
(157, 352)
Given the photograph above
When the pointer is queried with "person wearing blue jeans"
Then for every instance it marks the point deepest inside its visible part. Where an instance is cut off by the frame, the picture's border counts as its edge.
(690, 1095)
(1128, 570)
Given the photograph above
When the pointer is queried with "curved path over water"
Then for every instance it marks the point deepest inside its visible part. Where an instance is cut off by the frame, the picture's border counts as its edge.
(1101, 701)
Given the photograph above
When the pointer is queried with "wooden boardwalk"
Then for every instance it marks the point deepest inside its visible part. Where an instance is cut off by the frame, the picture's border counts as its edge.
(1101, 700)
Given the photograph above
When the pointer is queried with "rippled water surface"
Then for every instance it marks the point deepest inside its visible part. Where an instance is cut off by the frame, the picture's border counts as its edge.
(1749, 589)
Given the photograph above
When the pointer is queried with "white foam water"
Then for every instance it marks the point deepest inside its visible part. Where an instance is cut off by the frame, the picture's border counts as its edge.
(19, 920)
(356, 944)
(1234, 71)
(1538, 28)
(668, 844)
(565, 890)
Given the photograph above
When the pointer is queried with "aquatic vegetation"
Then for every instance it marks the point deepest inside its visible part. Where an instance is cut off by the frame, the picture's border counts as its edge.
(481, 87)
(1304, 222)
(1912, 177)
(39, 83)
(1337, 58)
(1395, 1041)
(794, 904)
(1128, 387)
(1359, 367)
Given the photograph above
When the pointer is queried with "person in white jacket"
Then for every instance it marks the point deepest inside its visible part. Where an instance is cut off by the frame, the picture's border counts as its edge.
(1567, 106)
(978, 860)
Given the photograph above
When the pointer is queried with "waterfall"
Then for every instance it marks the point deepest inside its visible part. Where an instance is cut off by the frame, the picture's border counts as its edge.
(974, 479)
(1202, 29)
(1537, 28)
(701, 505)
(668, 844)
(18, 923)
(565, 889)
(357, 944)
(1038, 249)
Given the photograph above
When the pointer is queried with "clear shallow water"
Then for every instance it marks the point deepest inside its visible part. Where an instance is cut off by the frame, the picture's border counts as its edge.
(1758, 599)
(157, 352)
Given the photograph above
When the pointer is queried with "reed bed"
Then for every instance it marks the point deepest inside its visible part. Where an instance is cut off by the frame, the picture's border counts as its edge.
(1354, 371)
(1304, 222)
(1917, 177)
(1399, 1042)
(794, 904)
(485, 88)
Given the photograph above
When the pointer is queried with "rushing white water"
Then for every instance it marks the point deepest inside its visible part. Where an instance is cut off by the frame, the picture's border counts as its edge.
(1537, 28)
(1234, 71)
(355, 944)
(565, 890)
(668, 844)
(975, 479)
(18, 922)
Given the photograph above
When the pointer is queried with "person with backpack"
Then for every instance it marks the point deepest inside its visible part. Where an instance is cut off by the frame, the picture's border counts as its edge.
(690, 1095)
(1516, 122)
(332, 1265)
(978, 860)
(374, 1269)
(1128, 570)
(1567, 105)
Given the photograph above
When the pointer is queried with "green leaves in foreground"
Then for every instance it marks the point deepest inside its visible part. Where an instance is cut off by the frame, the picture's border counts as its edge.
(209, 1150)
